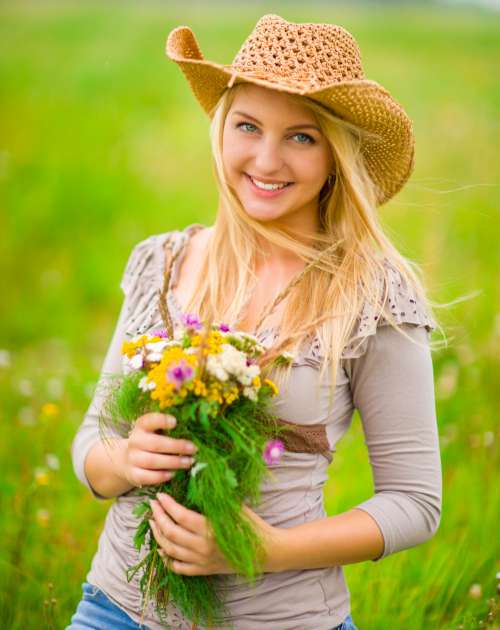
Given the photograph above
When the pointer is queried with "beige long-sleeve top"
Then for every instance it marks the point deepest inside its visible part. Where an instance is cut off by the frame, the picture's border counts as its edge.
(385, 376)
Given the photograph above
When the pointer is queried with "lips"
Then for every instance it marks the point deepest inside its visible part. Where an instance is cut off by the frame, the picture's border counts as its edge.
(262, 180)
(267, 194)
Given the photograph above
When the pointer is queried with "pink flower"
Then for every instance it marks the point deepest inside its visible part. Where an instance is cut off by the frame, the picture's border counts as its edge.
(191, 321)
(273, 451)
(179, 373)
(159, 332)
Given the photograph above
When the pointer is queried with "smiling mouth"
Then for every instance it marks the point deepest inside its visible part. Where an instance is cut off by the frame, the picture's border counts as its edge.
(282, 185)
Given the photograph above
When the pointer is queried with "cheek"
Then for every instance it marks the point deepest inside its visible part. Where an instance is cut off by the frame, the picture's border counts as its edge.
(231, 149)
(232, 166)
(310, 166)
(313, 172)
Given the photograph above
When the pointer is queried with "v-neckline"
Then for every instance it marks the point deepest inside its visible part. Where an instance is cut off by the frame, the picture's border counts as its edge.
(175, 308)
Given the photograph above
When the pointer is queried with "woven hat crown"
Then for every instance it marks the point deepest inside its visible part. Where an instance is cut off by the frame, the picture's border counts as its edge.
(307, 55)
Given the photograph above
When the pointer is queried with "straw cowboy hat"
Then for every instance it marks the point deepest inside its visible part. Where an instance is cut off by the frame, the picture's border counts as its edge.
(322, 62)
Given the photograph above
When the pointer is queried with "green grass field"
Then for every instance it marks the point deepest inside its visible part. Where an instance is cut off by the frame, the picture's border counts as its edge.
(102, 144)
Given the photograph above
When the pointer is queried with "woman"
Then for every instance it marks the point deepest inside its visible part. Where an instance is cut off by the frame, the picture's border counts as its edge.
(305, 149)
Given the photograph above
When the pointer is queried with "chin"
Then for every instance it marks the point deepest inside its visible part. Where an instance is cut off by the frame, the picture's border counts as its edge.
(265, 216)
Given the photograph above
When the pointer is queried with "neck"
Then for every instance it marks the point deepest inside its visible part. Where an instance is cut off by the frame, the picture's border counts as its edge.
(302, 226)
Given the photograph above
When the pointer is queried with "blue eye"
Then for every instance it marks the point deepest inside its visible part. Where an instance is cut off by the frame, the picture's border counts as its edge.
(244, 123)
(310, 140)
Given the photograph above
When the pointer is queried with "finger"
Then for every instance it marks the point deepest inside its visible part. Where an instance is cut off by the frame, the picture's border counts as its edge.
(174, 532)
(193, 521)
(187, 568)
(172, 550)
(163, 444)
(143, 477)
(154, 421)
(155, 461)
(180, 567)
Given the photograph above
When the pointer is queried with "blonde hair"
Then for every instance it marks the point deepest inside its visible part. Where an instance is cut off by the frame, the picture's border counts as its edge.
(344, 262)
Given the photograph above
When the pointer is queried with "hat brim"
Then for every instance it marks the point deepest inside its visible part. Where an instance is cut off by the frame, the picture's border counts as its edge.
(389, 148)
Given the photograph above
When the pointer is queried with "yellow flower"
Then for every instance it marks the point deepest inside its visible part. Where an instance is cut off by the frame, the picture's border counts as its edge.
(42, 517)
(213, 342)
(195, 340)
(214, 393)
(272, 385)
(50, 409)
(165, 391)
(41, 477)
(199, 387)
(130, 347)
(256, 381)
(167, 402)
(231, 395)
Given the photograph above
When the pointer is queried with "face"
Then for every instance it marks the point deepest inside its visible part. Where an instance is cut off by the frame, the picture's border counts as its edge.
(269, 138)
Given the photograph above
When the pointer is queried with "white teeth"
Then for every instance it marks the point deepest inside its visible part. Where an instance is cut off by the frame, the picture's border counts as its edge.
(267, 186)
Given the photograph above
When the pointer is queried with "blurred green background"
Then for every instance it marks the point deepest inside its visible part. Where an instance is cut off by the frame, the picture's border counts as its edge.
(103, 144)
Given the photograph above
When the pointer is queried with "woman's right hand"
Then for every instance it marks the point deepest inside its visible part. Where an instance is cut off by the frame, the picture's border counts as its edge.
(150, 458)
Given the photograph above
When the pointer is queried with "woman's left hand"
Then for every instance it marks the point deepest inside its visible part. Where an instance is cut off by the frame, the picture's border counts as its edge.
(187, 538)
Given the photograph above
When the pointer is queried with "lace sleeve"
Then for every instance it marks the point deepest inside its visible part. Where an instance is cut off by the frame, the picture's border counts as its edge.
(404, 306)
(141, 282)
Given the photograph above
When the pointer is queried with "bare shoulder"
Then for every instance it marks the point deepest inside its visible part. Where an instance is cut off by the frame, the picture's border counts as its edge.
(199, 240)
(195, 246)
(190, 263)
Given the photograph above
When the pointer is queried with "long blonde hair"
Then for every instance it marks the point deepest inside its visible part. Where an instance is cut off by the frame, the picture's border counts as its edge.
(344, 263)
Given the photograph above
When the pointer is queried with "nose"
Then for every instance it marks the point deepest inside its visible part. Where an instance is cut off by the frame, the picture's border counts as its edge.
(268, 159)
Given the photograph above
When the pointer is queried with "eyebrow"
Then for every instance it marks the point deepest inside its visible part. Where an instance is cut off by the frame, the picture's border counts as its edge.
(304, 126)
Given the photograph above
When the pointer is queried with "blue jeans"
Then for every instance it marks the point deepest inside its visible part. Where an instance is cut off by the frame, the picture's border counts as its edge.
(347, 624)
(96, 610)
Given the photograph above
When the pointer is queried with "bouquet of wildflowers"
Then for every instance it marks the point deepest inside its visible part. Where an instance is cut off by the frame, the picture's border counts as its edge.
(212, 380)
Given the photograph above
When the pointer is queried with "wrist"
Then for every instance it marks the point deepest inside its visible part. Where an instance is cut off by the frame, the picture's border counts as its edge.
(118, 457)
(277, 547)
(104, 468)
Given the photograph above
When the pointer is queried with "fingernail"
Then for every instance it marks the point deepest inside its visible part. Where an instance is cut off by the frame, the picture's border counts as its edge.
(187, 460)
(172, 422)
